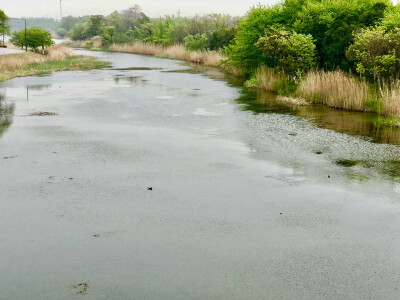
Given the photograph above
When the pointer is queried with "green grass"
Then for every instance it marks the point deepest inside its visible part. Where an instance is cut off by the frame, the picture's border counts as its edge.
(72, 63)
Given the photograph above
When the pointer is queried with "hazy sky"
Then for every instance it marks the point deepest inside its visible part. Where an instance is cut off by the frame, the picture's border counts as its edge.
(154, 8)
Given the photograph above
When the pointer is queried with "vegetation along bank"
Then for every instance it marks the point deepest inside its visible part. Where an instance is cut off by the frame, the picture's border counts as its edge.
(342, 53)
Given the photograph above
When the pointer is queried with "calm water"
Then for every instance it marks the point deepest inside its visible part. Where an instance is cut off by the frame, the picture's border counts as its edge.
(251, 199)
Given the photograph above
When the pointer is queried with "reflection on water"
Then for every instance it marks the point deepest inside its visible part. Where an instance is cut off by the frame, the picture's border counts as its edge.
(6, 115)
(360, 161)
(38, 87)
(348, 122)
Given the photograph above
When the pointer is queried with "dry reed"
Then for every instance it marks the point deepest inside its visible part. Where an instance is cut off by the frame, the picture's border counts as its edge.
(268, 78)
(391, 98)
(13, 62)
(211, 58)
(335, 89)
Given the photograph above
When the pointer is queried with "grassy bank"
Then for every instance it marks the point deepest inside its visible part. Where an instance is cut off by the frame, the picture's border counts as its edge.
(335, 89)
(209, 58)
(59, 58)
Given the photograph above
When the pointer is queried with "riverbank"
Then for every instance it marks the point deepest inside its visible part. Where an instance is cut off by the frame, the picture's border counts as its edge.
(208, 58)
(336, 89)
(59, 58)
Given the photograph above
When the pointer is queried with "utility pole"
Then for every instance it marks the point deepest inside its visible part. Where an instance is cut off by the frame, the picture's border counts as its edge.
(61, 15)
(26, 40)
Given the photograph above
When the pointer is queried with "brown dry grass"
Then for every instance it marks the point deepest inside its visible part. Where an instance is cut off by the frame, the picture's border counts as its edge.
(211, 58)
(335, 89)
(391, 98)
(267, 78)
(14, 62)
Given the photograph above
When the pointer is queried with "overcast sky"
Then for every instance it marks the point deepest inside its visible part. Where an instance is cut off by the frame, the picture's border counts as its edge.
(154, 8)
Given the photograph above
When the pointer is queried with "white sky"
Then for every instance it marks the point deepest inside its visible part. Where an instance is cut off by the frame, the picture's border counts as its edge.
(153, 8)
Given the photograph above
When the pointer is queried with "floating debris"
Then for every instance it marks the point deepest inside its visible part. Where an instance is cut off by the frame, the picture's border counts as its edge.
(10, 157)
(42, 114)
(82, 288)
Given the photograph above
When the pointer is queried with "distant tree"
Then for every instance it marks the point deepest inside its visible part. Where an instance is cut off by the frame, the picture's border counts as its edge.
(196, 42)
(35, 37)
(107, 35)
(222, 37)
(4, 27)
(80, 31)
(61, 32)
(70, 21)
(96, 24)
(134, 12)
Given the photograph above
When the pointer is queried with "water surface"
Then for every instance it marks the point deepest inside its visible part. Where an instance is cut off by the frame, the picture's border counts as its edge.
(248, 200)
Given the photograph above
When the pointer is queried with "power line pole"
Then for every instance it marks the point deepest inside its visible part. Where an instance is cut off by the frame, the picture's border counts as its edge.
(26, 40)
(61, 15)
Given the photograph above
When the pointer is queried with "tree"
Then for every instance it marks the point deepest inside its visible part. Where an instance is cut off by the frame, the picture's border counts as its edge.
(107, 35)
(96, 24)
(80, 31)
(242, 51)
(332, 23)
(61, 32)
(291, 52)
(376, 53)
(391, 19)
(35, 37)
(4, 27)
(196, 42)
(222, 37)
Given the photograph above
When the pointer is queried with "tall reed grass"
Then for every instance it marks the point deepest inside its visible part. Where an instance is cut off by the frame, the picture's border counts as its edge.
(13, 62)
(390, 97)
(335, 89)
(211, 58)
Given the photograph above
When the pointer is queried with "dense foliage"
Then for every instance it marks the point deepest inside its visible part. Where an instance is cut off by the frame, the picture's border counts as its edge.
(376, 53)
(214, 31)
(330, 23)
(291, 52)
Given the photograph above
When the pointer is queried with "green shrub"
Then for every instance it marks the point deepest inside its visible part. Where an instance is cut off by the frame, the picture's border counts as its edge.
(196, 42)
(35, 37)
(291, 52)
(376, 53)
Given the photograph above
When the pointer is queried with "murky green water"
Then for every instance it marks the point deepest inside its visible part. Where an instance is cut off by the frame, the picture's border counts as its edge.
(250, 199)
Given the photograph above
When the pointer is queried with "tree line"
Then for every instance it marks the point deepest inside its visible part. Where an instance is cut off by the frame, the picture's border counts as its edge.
(294, 36)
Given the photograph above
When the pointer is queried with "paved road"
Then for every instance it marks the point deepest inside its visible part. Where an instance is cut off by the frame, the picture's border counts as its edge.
(4, 51)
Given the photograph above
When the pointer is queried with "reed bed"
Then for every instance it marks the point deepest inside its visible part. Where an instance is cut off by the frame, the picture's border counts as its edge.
(390, 93)
(14, 62)
(268, 78)
(211, 58)
(335, 89)
(59, 58)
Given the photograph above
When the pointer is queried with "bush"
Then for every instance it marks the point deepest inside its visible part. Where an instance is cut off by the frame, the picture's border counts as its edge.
(291, 52)
(221, 38)
(376, 53)
(196, 42)
(242, 51)
(108, 35)
(79, 32)
(35, 37)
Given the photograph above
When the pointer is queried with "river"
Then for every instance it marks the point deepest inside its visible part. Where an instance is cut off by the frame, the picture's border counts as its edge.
(250, 199)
